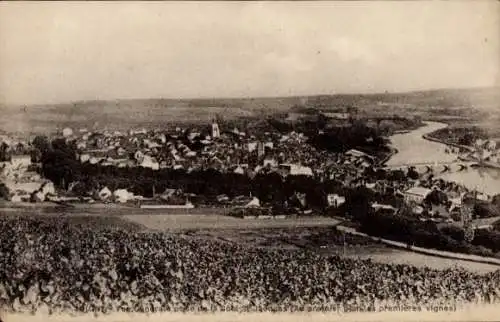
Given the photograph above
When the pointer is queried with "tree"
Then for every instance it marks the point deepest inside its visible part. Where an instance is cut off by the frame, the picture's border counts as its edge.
(396, 175)
(41, 143)
(358, 203)
(496, 200)
(59, 164)
(412, 173)
(4, 152)
(4, 192)
(436, 197)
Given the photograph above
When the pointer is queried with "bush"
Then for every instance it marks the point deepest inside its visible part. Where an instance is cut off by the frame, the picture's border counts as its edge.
(251, 212)
(488, 239)
(454, 232)
(426, 234)
(4, 192)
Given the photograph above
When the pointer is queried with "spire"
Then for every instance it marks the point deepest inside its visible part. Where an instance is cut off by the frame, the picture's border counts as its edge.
(215, 129)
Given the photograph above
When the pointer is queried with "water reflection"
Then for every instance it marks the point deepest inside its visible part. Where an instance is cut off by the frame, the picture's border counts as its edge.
(413, 148)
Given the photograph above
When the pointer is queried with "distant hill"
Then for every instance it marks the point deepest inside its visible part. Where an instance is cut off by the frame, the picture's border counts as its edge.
(158, 112)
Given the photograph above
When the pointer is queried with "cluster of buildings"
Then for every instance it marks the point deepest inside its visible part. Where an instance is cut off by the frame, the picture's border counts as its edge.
(485, 151)
(189, 149)
(23, 182)
(226, 151)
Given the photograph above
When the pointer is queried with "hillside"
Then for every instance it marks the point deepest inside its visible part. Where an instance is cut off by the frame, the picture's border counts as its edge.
(159, 112)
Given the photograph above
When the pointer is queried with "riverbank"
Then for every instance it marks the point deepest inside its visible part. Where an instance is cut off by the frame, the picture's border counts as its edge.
(388, 157)
(485, 164)
(420, 147)
(429, 137)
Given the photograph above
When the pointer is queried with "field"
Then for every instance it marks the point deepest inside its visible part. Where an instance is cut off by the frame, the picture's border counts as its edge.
(312, 234)
(151, 113)
(188, 222)
(327, 241)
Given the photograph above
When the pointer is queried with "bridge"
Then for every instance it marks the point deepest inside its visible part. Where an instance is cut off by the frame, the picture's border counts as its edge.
(453, 166)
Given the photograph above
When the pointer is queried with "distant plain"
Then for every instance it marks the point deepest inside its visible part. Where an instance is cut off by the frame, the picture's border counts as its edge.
(455, 105)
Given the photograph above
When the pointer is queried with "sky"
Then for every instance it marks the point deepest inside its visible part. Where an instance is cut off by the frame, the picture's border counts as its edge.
(55, 52)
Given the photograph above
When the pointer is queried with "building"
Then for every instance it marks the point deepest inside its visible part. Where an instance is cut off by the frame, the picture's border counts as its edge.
(337, 116)
(359, 154)
(416, 194)
(67, 132)
(215, 130)
(485, 223)
(295, 170)
(260, 149)
(335, 200)
(20, 161)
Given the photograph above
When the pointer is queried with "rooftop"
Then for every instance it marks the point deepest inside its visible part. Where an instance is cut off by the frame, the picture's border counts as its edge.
(420, 191)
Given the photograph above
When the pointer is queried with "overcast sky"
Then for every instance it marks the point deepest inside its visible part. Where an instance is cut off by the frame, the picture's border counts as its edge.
(60, 51)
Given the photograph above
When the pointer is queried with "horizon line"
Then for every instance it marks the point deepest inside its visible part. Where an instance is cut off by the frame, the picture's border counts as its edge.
(14, 105)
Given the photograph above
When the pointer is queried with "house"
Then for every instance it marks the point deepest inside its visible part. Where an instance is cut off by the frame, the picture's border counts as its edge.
(295, 170)
(378, 206)
(270, 163)
(67, 132)
(254, 203)
(269, 145)
(48, 188)
(149, 162)
(335, 200)
(416, 194)
(38, 196)
(239, 170)
(338, 115)
(122, 195)
(20, 161)
(81, 145)
(356, 153)
(485, 223)
(84, 158)
(371, 185)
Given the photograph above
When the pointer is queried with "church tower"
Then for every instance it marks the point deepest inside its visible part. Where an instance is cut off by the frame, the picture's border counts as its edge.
(215, 129)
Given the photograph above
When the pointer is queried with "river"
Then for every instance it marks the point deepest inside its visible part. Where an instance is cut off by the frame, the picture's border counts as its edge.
(413, 148)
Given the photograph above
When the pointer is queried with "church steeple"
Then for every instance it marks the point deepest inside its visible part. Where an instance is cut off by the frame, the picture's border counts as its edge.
(215, 129)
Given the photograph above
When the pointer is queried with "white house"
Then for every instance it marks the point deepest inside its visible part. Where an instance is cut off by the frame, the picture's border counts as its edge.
(295, 169)
(122, 195)
(269, 145)
(48, 188)
(356, 153)
(81, 145)
(252, 146)
(255, 202)
(335, 200)
(239, 170)
(149, 162)
(416, 194)
(84, 158)
(67, 132)
(20, 161)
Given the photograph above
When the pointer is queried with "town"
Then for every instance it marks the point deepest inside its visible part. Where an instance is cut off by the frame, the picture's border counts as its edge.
(316, 179)
(249, 159)
(267, 173)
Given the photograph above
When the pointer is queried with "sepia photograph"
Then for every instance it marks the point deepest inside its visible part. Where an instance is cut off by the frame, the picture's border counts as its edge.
(249, 160)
